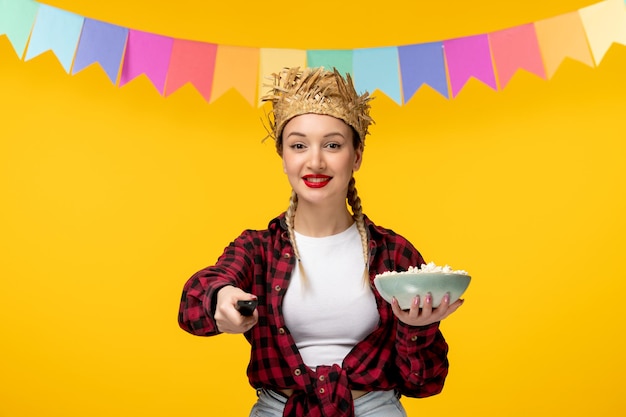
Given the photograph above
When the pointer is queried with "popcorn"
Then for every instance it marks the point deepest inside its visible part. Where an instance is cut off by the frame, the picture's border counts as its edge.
(429, 268)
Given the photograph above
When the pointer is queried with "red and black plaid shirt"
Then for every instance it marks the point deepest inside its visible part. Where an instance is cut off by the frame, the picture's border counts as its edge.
(411, 360)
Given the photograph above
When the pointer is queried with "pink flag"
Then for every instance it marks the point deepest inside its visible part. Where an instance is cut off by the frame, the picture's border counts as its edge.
(469, 57)
(191, 62)
(149, 54)
(516, 48)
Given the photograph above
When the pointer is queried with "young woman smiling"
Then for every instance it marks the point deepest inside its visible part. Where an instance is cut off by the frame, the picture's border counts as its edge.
(323, 341)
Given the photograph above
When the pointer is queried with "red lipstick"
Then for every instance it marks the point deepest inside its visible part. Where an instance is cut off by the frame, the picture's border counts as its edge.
(316, 181)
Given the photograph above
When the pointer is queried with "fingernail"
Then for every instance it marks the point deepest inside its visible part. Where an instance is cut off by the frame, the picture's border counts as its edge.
(429, 298)
(416, 300)
(446, 298)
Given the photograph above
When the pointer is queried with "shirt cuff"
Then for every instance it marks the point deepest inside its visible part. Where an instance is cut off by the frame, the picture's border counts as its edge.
(415, 338)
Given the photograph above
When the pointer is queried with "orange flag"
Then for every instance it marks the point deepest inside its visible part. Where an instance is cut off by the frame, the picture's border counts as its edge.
(236, 67)
(562, 37)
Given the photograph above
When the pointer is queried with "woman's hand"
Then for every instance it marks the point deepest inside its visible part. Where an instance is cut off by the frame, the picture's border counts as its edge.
(227, 317)
(427, 314)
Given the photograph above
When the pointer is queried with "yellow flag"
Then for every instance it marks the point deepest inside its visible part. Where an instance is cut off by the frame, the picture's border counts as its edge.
(273, 60)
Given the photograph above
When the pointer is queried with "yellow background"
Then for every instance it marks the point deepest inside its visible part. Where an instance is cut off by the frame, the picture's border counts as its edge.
(112, 197)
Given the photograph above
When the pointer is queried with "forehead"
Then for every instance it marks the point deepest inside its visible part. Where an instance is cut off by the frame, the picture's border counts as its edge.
(316, 123)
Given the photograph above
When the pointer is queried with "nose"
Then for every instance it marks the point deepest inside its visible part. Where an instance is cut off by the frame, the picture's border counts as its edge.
(316, 159)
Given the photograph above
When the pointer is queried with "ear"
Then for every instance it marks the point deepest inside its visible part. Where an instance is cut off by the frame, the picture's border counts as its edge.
(358, 153)
(284, 167)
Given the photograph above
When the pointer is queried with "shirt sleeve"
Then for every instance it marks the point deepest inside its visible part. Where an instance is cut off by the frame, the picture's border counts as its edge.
(197, 306)
(421, 359)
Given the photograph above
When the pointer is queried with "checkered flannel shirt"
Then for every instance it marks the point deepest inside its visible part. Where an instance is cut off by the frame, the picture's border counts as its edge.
(411, 360)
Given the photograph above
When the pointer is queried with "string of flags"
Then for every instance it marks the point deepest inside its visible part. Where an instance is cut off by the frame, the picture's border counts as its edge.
(584, 35)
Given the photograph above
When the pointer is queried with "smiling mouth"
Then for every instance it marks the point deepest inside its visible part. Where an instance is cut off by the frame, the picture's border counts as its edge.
(316, 181)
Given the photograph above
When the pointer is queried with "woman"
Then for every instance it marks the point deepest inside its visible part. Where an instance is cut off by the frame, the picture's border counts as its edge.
(323, 341)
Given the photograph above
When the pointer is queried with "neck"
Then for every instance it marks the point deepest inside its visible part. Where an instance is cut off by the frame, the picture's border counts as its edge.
(319, 222)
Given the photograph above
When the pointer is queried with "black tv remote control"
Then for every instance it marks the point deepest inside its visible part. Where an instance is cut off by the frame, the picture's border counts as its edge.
(246, 307)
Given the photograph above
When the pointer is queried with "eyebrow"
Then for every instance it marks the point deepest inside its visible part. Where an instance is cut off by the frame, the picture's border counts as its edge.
(328, 135)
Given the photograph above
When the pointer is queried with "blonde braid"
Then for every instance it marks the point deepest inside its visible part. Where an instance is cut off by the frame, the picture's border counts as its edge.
(290, 218)
(357, 213)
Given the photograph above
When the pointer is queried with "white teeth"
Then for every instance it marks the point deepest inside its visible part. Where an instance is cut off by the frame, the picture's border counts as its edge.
(317, 179)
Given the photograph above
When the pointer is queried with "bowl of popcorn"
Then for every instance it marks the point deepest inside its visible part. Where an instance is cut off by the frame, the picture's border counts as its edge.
(421, 280)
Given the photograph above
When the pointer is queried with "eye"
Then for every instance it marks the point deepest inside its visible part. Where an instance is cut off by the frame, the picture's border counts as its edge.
(297, 146)
(334, 145)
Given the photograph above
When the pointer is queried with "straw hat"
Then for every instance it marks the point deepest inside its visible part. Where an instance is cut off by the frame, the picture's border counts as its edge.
(298, 91)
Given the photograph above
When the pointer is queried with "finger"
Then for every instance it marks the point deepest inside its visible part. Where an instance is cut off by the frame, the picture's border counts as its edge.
(451, 309)
(427, 308)
(414, 310)
(395, 306)
(445, 302)
(454, 306)
(248, 324)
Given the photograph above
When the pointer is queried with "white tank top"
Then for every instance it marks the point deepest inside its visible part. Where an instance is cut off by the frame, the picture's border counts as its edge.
(335, 309)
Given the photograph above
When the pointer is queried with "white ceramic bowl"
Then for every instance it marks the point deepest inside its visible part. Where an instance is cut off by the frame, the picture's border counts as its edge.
(405, 287)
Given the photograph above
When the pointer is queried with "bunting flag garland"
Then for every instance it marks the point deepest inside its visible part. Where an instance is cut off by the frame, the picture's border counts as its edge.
(272, 59)
(604, 24)
(149, 54)
(516, 48)
(16, 21)
(469, 57)
(236, 67)
(584, 35)
(192, 62)
(377, 69)
(55, 30)
(562, 37)
(338, 58)
(423, 64)
(102, 43)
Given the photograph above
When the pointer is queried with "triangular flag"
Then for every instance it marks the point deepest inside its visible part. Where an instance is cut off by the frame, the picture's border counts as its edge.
(236, 67)
(605, 23)
(377, 69)
(561, 37)
(331, 58)
(273, 60)
(16, 21)
(423, 64)
(55, 30)
(516, 48)
(191, 62)
(469, 57)
(149, 54)
(102, 43)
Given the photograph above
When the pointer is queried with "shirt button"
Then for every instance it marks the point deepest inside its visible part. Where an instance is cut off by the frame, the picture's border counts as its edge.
(322, 390)
(277, 288)
(287, 255)
(414, 338)
(297, 372)
(281, 331)
(322, 378)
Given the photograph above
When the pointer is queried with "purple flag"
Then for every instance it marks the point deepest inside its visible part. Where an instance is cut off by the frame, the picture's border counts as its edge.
(423, 64)
(149, 54)
(469, 57)
(103, 43)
